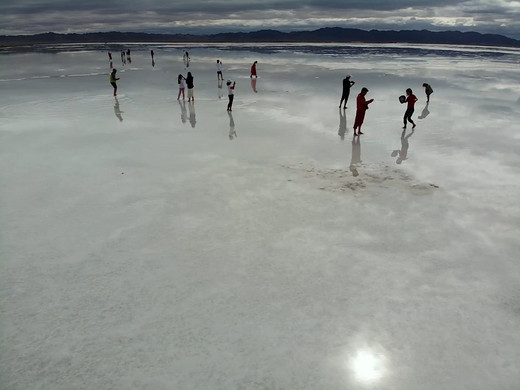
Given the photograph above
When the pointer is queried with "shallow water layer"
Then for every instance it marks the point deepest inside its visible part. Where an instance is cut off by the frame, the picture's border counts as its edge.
(148, 242)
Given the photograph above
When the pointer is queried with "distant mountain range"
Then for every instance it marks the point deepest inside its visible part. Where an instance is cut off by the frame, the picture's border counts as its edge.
(329, 35)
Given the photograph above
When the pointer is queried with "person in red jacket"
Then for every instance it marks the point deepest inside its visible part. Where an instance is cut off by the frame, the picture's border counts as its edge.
(410, 99)
(362, 107)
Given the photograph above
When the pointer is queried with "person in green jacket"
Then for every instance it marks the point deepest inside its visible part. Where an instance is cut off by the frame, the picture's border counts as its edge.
(113, 80)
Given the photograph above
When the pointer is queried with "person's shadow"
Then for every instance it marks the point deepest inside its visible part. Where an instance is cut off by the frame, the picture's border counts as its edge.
(425, 112)
(403, 153)
(117, 110)
(342, 124)
(232, 132)
(253, 84)
(355, 160)
(184, 113)
(191, 107)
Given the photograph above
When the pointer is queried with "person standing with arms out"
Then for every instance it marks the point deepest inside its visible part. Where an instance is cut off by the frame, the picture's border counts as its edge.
(362, 107)
(410, 99)
(231, 93)
(113, 80)
(189, 84)
(428, 90)
(346, 90)
(219, 70)
(253, 69)
(182, 85)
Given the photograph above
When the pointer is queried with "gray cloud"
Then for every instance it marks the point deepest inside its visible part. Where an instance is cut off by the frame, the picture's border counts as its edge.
(36, 16)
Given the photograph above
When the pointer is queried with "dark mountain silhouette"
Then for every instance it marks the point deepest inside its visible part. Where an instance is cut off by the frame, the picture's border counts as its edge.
(330, 34)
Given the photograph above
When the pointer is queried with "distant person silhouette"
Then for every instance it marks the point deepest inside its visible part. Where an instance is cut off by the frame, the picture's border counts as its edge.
(428, 90)
(219, 70)
(110, 56)
(182, 86)
(189, 84)
(410, 100)
(362, 107)
(253, 69)
(117, 110)
(342, 124)
(128, 56)
(113, 80)
(123, 57)
(425, 112)
(231, 94)
(346, 90)
(152, 53)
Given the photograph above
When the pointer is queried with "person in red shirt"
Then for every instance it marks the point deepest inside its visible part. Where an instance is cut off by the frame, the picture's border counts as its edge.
(410, 99)
(362, 107)
(253, 69)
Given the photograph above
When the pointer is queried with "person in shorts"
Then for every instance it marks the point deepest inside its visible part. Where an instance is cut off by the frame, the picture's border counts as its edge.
(113, 80)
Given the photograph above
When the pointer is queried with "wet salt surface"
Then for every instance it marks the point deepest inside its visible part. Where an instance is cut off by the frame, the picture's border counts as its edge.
(152, 243)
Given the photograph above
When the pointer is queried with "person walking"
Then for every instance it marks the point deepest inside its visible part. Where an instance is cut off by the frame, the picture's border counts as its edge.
(219, 70)
(182, 86)
(362, 107)
(346, 91)
(231, 93)
(410, 99)
(189, 84)
(113, 80)
(253, 69)
(428, 90)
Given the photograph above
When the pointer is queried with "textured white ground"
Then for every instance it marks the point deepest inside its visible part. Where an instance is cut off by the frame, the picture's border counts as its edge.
(145, 245)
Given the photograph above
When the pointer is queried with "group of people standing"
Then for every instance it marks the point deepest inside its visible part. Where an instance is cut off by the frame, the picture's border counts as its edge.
(362, 104)
(186, 82)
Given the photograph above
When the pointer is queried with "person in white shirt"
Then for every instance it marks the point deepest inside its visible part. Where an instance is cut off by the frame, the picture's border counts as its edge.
(182, 86)
(219, 70)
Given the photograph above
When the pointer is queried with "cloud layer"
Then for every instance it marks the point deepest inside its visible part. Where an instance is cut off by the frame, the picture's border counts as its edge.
(201, 16)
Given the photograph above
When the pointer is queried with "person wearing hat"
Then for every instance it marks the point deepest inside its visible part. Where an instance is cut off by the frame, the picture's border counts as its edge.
(346, 90)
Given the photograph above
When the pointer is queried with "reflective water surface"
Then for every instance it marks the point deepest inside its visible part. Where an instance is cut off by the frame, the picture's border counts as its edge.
(150, 242)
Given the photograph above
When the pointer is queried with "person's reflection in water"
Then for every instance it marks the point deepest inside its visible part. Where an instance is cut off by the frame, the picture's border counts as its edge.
(191, 107)
(219, 89)
(425, 112)
(117, 110)
(342, 124)
(253, 84)
(356, 155)
(403, 153)
(184, 113)
(232, 132)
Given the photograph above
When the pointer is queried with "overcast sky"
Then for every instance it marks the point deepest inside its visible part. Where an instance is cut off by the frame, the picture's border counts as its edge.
(201, 16)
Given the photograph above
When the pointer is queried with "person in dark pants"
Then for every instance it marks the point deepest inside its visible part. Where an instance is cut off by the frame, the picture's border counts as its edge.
(346, 90)
(113, 80)
(410, 99)
(231, 95)
(428, 90)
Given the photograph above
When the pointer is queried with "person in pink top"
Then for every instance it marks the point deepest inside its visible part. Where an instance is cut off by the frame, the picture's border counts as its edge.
(362, 107)
(410, 99)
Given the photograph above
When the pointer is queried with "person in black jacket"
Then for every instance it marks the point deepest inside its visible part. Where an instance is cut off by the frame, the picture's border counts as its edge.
(428, 89)
(189, 84)
(346, 90)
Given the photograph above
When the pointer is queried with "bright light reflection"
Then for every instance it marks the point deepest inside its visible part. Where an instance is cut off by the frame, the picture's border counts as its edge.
(367, 366)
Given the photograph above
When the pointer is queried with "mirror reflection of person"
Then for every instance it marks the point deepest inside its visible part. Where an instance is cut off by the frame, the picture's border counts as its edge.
(403, 153)
(184, 113)
(253, 84)
(425, 112)
(117, 110)
(355, 160)
(342, 124)
(220, 93)
(232, 132)
(191, 108)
